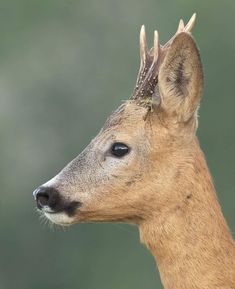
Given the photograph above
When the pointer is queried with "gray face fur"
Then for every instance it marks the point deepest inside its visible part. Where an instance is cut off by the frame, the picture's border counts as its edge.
(95, 175)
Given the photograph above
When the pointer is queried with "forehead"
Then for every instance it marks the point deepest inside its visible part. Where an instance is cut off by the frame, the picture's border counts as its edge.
(129, 113)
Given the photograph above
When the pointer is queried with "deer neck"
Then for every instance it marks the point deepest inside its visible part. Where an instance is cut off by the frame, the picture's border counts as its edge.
(191, 242)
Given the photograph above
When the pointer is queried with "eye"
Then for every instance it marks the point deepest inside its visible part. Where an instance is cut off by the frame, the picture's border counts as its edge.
(119, 149)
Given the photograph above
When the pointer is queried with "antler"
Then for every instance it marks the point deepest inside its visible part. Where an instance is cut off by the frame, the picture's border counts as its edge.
(183, 28)
(150, 60)
(148, 63)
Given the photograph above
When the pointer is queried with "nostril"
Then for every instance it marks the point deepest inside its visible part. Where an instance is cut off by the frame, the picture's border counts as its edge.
(42, 199)
(46, 197)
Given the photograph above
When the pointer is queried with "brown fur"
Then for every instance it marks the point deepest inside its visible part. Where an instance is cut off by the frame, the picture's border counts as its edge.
(163, 185)
(190, 239)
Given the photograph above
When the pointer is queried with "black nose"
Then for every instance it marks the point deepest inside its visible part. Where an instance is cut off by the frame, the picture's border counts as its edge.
(46, 197)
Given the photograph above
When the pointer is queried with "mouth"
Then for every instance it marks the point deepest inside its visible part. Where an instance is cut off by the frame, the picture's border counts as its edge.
(59, 218)
(63, 216)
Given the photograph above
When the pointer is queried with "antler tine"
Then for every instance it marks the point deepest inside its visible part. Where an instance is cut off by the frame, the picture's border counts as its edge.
(143, 45)
(145, 61)
(156, 46)
(181, 26)
(190, 24)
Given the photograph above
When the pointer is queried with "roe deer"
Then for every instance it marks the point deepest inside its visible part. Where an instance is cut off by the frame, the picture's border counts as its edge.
(146, 167)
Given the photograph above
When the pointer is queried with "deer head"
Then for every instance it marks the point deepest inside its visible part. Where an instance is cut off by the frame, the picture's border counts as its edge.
(131, 169)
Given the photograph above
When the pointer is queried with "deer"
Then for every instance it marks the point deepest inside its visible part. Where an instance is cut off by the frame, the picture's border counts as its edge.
(145, 167)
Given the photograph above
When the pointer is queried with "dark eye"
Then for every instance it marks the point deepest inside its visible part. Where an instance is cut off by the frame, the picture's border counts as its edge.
(119, 149)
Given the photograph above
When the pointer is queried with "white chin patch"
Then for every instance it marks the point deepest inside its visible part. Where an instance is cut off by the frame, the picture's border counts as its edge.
(60, 218)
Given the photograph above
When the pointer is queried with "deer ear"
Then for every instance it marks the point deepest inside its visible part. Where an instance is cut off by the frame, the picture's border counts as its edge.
(181, 78)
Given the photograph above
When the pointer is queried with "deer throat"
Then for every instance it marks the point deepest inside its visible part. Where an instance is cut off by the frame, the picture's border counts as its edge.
(191, 243)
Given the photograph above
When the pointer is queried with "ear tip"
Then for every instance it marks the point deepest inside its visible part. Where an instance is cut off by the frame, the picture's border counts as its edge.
(184, 38)
(185, 41)
(185, 33)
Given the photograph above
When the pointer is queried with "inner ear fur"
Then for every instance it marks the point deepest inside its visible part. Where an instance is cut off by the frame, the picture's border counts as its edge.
(181, 78)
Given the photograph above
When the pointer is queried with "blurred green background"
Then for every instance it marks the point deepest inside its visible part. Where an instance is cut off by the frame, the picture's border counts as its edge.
(65, 65)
